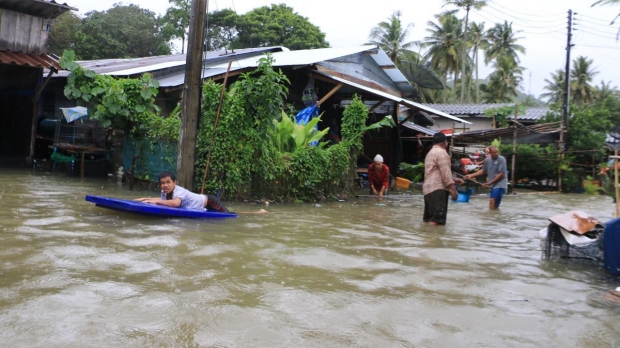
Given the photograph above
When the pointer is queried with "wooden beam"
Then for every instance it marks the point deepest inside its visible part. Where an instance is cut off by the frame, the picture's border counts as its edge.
(374, 107)
(329, 94)
(191, 100)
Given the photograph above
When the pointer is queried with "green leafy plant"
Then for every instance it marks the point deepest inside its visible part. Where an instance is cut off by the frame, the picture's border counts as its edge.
(286, 135)
(502, 113)
(126, 104)
(413, 172)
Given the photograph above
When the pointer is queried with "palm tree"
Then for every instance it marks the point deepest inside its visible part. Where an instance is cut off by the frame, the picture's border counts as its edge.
(467, 5)
(444, 43)
(502, 42)
(555, 88)
(581, 76)
(478, 41)
(605, 90)
(610, 2)
(390, 36)
(504, 81)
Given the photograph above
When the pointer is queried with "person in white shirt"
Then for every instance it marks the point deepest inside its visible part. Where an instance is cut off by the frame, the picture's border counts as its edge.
(173, 195)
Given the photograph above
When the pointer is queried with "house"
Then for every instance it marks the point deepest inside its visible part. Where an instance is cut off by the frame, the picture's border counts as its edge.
(474, 113)
(336, 74)
(25, 25)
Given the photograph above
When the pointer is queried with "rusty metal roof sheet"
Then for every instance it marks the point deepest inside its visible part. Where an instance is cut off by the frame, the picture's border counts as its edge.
(32, 60)
(576, 221)
(37, 8)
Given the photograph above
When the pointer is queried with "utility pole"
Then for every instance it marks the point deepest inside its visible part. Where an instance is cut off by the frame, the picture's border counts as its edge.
(563, 133)
(191, 95)
(569, 45)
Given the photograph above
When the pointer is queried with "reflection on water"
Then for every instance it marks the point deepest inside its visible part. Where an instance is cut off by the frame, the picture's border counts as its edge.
(354, 273)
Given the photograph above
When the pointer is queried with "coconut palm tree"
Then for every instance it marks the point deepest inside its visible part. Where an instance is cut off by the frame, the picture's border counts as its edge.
(391, 37)
(477, 41)
(610, 2)
(502, 42)
(466, 5)
(555, 88)
(582, 73)
(504, 81)
(443, 46)
(606, 90)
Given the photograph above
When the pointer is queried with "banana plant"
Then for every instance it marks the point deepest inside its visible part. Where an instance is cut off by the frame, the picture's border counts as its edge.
(387, 121)
(287, 136)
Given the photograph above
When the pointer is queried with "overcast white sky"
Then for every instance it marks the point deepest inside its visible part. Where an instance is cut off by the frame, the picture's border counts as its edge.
(543, 22)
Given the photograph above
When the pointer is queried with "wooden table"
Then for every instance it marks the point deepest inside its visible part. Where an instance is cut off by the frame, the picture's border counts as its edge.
(80, 150)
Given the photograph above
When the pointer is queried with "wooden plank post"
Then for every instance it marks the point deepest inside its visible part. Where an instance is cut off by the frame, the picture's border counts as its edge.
(82, 165)
(192, 91)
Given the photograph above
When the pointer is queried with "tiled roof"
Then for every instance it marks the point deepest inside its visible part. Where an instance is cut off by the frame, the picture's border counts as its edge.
(531, 113)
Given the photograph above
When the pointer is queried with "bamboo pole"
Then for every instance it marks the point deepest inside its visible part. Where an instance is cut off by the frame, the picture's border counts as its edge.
(217, 117)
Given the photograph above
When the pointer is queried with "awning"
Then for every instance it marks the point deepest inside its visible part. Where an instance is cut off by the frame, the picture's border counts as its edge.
(399, 100)
(31, 60)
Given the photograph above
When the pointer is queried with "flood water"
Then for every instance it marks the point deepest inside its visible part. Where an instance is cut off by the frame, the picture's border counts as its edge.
(341, 274)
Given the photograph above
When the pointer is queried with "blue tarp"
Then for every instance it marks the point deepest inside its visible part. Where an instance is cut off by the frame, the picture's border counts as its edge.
(305, 115)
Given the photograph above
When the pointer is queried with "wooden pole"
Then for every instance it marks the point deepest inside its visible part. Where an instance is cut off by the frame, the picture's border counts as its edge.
(191, 100)
(217, 118)
(514, 148)
(452, 140)
(82, 165)
(561, 152)
(616, 183)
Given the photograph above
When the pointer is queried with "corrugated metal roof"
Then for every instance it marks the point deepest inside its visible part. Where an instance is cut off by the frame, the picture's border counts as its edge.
(179, 79)
(420, 129)
(37, 8)
(132, 66)
(32, 60)
(531, 113)
(395, 98)
(297, 58)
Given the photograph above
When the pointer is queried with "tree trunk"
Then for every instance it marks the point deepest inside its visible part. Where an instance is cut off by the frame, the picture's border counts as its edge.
(477, 80)
(456, 72)
(445, 86)
(463, 52)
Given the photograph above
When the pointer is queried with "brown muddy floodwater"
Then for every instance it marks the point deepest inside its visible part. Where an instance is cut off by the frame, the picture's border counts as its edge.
(341, 274)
